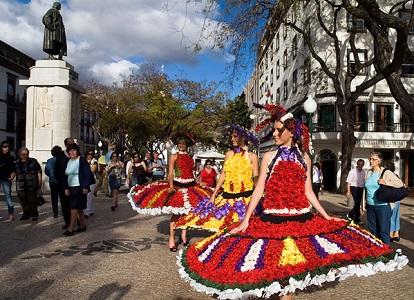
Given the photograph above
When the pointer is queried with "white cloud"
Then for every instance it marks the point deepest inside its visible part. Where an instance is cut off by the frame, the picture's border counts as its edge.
(159, 31)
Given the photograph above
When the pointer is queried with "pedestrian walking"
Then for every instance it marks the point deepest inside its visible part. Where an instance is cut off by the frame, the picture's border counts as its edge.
(137, 171)
(90, 208)
(379, 213)
(147, 161)
(316, 179)
(355, 189)
(208, 175)
(285, 248)
(157, 167)
(28, 181)
(395, 211)
(53, 183)
(114, 173)
(77, 181)
(60, 168)
(7, 173)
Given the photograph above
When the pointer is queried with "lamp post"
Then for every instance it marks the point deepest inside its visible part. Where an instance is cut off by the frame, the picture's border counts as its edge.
(100, 146)
(310, 107)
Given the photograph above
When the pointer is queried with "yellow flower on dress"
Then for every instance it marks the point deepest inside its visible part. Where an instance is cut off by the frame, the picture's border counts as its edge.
(239, 173)
(290, 253)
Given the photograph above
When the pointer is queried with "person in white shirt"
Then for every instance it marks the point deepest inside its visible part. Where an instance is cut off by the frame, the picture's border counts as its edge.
(355, 188)
(317, 178)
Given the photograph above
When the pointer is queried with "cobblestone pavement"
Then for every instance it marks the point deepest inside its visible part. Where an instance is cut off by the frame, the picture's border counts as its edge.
(124, 256)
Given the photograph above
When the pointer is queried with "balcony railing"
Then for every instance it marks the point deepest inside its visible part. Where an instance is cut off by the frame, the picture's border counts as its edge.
(367, 127)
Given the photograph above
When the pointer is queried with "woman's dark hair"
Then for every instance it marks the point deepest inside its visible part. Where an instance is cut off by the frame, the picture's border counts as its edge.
(2, 144)
(56, 150)
(390, 166)
(74, 146)
(208, 162)
(114, 154)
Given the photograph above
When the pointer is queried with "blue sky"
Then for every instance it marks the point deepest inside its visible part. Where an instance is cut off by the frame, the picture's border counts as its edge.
(103, 46)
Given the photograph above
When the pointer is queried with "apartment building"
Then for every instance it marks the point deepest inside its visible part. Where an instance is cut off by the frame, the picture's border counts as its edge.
(286, 72)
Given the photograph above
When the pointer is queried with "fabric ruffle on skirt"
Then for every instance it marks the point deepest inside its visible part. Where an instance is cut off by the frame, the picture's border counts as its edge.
(218, 215)
(155, 198)
(235, 266)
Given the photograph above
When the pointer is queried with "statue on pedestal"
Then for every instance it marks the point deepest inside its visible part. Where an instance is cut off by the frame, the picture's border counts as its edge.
(54, 42)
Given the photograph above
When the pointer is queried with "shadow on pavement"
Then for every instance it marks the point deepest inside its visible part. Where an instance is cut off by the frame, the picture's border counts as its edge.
(112, 291)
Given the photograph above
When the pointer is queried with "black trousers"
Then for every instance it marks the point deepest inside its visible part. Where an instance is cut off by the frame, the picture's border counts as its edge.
(316, 187)
(54, 195)
(64, 204)
(28, 201)
(355, 213)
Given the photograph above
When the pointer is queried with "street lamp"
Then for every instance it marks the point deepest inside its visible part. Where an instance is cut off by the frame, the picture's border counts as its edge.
(99, 146)
(310, 107)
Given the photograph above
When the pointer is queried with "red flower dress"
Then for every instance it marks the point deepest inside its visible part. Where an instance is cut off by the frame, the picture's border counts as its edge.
(155, 198)
(286, 247)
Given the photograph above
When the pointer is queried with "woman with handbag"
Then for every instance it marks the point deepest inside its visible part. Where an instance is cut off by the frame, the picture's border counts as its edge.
(114, 172)
(378, 212)
(77, 182)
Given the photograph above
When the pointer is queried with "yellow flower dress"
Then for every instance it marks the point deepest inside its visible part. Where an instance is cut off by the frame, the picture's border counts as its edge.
(230, 206)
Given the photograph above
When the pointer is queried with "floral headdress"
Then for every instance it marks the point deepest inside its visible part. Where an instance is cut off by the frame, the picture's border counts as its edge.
(246, 134)
(187, 136)
(279, 113)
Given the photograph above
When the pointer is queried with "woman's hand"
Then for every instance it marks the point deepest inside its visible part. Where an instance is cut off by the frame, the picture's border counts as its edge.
(329, 218)
(242, 227)
(212, 198)
(171, 190)
(381, 181)
(67, 192)
(85, 191)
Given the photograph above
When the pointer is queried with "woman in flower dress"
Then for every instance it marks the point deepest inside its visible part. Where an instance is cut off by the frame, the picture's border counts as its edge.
(241, 167)
(177, 195)
(285, 248)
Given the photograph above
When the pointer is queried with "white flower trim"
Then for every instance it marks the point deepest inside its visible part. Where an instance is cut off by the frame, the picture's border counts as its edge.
(287, 211)
(202, 257)
(252, 256)
(329, 247)
(183, 180)
(340, 274)
(161, 210)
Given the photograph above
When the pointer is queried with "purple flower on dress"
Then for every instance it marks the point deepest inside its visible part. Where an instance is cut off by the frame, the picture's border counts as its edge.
(240, 209)
(222, 211)
(260, 260)
(204, 208)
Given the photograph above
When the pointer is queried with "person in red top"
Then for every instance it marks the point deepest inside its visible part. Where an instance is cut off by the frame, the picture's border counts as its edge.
(208, 175)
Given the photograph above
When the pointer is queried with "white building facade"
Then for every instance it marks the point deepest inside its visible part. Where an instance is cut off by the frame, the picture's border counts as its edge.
(286, 73)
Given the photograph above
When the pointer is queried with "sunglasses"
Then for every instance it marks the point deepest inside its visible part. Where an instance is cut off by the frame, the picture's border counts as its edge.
(136, 156)
(5, 146)
(90, 153)
(280, 130)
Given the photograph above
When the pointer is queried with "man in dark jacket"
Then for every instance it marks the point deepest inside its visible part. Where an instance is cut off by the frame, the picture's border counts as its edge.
(60, 167)
(6, 176)
(28, 181)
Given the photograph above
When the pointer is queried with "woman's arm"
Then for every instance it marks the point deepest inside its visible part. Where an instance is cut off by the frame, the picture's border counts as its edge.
(257, 193)
(171, 163)
(255, 164)
(220, 181)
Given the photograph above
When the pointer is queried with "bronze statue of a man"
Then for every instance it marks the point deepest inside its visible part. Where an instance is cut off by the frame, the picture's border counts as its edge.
(54, 42)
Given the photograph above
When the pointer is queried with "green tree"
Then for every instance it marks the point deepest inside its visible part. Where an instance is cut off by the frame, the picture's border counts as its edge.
(238, 112)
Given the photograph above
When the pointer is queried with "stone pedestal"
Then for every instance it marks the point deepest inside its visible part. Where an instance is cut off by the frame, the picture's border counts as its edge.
(53, 107)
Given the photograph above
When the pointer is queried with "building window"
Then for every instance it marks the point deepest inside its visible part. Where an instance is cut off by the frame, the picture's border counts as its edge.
(11, 88)
(326, 117)
(10, 141)
(295, 81)
(405, 14)
(285, 90)
(277, 69)
(307, 71)
(11, 120)
(361, 117)
(285, 60)
(384, 118)
(355, 24)
(362, 54)
(277, 41)
(271, 77)
(295, 46)
(407, 66)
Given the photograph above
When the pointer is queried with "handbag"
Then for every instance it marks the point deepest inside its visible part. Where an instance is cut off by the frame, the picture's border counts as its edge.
(386, 193)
